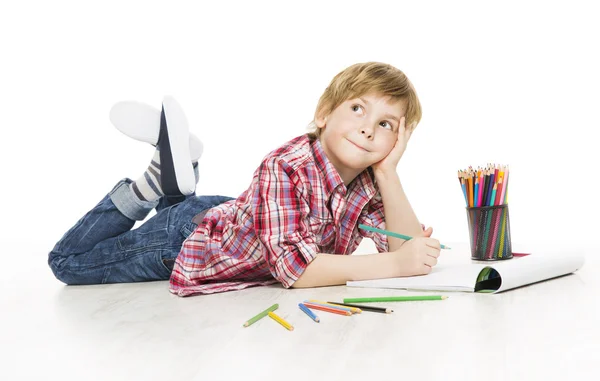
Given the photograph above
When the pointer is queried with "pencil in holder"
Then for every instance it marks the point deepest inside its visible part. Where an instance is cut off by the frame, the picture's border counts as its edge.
(489, 233)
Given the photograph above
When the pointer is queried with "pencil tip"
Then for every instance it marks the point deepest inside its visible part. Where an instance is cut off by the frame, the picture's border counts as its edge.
(444, 297)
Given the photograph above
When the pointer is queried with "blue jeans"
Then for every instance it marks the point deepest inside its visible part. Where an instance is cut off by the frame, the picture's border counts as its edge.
(102, 248)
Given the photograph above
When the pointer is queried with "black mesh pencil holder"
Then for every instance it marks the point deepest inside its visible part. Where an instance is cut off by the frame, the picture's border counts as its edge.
(489, 233)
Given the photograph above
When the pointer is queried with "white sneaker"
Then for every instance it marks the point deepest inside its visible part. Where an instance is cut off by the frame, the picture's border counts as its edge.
(141, 121)
(176, 171)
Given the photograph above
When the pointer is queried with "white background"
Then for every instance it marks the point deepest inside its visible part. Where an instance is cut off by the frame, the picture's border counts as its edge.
(511, 82)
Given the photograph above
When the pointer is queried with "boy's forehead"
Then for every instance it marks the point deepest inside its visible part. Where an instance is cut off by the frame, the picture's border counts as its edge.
(379, 98)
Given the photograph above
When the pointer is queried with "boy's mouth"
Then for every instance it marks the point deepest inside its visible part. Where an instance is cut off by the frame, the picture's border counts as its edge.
(356, 145)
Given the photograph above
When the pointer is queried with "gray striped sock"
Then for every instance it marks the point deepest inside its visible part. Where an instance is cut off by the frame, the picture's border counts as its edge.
(147, 187)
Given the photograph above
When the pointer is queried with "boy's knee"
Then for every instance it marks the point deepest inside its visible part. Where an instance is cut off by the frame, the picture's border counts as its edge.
(61, 270)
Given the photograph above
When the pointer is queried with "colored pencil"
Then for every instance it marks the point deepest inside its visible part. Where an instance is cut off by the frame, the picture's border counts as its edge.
(496, 216)
(504, 185)
(280, 320)
(395, 299)
(392, 234)
(502, 235)
(476, 200)
(475, 225)
(307, 311)
(484, 190)
(354, 310)
(485, 187)
(490, 190)
(384, 310)
(463, 186)
(470, 191)
(261, 315)
(488, 221)
(493, 195)
(488, 187)
(480, 192)
(327, 305)
(333, 310)
(499, 191)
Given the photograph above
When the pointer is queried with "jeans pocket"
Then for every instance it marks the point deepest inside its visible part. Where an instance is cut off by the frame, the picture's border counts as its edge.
(187, 229)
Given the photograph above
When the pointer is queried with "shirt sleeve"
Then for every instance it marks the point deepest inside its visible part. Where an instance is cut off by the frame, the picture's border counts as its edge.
(373, 216)
(280, 216)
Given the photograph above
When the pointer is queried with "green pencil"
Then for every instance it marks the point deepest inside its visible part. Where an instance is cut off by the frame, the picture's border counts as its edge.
(392, 234)
(261, 315)
(395, 299)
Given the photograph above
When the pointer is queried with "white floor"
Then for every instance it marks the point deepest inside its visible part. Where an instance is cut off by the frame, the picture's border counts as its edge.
(142, 332)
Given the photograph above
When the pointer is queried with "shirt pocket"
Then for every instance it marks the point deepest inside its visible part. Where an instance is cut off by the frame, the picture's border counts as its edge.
(323, 230)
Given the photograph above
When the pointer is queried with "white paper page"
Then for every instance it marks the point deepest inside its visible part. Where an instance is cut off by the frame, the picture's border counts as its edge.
(540, 265)
(456, 271)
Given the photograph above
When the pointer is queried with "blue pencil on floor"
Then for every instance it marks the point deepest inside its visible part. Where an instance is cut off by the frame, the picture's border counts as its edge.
(309, 312)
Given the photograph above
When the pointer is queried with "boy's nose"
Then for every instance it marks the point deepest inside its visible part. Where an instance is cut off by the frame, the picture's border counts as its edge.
(366, 132)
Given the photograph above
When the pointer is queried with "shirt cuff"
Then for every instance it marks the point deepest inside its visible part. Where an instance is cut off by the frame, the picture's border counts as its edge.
(290, 266)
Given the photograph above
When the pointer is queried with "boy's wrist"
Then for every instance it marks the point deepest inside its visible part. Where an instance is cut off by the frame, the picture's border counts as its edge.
(382, 175)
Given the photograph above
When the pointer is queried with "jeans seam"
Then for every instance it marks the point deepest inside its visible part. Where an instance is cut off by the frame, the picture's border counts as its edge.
(124, 248)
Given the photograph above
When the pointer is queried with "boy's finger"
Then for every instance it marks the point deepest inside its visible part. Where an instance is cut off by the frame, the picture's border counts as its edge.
(433, 252)
(430, 261)
(427, 232)
(434, 243)
(402, 128)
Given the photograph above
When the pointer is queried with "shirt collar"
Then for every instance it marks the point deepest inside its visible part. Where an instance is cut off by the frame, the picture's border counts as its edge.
(364, 183)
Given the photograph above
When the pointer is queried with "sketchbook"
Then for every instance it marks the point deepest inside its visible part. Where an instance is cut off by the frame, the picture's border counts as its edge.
(456, 271)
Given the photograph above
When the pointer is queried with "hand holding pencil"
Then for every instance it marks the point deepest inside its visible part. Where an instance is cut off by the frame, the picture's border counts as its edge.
(416, 256)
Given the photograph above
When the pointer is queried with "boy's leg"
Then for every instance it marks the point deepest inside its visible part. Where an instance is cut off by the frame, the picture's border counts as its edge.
(100, 243)
(92, 251)
(142, 122)
(121, 255)
(166, 201)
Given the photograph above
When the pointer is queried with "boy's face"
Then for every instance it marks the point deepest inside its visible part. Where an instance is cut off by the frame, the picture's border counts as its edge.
(360, 132)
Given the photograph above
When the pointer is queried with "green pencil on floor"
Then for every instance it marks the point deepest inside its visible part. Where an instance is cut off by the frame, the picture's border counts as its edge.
(261, 315)
(395, 299)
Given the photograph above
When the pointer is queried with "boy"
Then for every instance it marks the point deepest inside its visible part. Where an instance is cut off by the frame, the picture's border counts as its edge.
(301, 211)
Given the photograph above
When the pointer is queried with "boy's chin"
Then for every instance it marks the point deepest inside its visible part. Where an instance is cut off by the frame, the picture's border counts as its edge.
(357, 165)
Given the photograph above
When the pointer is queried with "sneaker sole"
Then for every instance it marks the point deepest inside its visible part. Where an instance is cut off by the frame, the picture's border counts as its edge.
(179, 138)
(141, 122)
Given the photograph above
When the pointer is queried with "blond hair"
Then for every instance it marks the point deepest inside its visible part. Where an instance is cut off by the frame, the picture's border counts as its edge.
(364, 78)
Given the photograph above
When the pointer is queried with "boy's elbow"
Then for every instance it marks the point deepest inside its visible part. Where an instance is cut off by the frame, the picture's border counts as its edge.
(300, 283)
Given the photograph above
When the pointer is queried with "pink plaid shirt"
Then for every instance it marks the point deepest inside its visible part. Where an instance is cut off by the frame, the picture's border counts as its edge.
(296, 207)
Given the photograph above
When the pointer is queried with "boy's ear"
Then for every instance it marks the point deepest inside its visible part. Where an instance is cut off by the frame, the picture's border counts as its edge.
(320, 121)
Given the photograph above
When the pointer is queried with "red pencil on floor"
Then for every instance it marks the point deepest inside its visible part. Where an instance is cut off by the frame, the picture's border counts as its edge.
(332, 310)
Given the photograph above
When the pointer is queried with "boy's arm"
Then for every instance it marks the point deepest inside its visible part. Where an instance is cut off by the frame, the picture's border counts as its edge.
(332, 269)
(399, 215)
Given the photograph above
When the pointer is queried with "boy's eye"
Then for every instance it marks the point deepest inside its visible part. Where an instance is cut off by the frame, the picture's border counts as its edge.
(386, 125)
